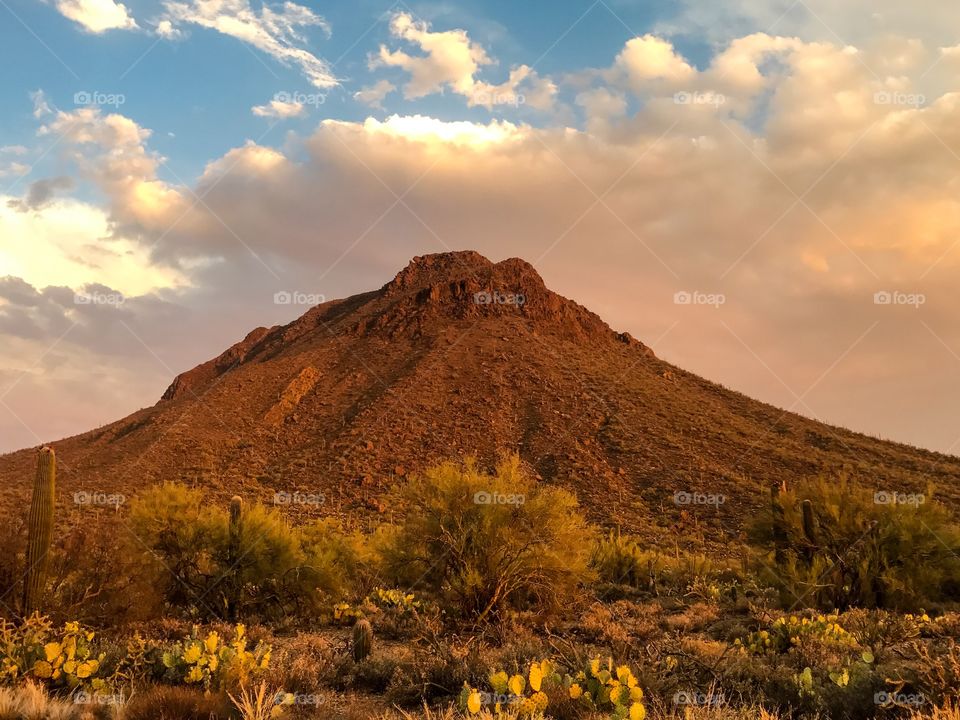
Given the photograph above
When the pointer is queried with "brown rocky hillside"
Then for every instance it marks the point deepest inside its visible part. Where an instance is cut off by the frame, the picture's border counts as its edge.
(357, 393)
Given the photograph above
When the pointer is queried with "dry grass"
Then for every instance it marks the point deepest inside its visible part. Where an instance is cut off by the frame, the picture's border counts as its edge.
(950, 711)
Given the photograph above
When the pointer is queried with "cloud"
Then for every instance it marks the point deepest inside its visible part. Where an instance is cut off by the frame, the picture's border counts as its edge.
(97, 16)
(279, 109)
(41, 193)
(523, 87)
(602, 105)
(166, 30)
(374, 95)
(41, 107)
(450, 60)
(274, 30)
(856, 22)
(70, 242)
(14, 169)
(110, 149)
(649, 58)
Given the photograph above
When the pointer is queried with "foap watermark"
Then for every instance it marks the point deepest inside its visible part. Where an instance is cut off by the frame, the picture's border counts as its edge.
(300, 699)
(86, 498)
(888, 699)
(498, 298)
(300, 98)
(85, 98)
(684, 297)
(698, 699)
(491, 99)
(495, 498)
(886, 497)
(292, 297)
(896, 297)
(84, 698)
(501, 699)
(700, 98)
(99, 298)
(889, 97)
(681, 497)
(298, 498)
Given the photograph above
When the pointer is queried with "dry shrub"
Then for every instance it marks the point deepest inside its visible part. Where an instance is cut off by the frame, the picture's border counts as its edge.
(950, 711)
(31, 702)
(694, 618)
(178, 703)
(623, 626)
(303, 664)
(93, 576)
(938, 670)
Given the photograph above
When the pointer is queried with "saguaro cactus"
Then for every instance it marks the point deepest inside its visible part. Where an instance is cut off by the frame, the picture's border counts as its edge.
(39, 529)
(233, 554)
(809, 523)
(780, 537)
(236, 511)
(362, 640)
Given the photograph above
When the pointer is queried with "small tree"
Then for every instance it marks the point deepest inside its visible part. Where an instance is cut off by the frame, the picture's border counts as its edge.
(485, 542)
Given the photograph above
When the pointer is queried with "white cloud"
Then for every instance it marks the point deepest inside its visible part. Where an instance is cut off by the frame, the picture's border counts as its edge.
(649, 58)
(97, 16)
(69, 242)
(167, 31)
(111, 150)
(601, 105)
(13, 169)
(858, 22)
(279, 109)
(374, 95)
(277, 31)
(523, 87)
(435, 133)
(450, 60)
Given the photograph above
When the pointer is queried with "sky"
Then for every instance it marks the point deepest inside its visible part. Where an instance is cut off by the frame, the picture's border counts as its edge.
(764, 191)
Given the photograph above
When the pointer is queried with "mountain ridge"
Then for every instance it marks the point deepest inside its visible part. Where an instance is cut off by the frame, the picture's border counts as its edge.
(458, 355)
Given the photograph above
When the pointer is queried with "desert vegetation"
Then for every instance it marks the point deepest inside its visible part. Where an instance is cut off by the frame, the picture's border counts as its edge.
(488, 595)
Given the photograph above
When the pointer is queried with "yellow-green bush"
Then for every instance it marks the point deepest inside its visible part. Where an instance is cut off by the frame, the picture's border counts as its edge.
(620, 559)
(855, 550)
(483, 542)
(273, 570)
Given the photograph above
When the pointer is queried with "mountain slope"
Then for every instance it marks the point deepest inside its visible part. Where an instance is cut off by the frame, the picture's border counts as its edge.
(458, 355)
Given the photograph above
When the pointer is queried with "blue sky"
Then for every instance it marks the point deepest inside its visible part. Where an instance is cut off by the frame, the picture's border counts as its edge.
(180, 162)
(195, 92)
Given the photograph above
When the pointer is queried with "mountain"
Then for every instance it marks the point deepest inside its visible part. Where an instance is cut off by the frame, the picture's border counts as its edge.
(459, 355)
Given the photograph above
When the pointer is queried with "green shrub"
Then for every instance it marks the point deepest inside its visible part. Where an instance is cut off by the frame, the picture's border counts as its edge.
(620, 560)
(275, 569)
(485, 542)
(854, 551)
